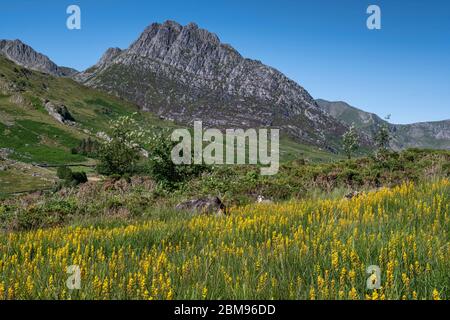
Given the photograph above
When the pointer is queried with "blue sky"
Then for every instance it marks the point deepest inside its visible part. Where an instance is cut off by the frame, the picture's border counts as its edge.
(402, 69)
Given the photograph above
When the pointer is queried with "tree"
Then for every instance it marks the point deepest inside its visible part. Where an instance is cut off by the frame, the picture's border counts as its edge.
(350, 141)
(382, 138)
(160, 165)
(120, 151)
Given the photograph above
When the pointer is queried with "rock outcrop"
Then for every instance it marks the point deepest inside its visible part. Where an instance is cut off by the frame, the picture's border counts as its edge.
(185, 73)
(59, 112)
(209, 205)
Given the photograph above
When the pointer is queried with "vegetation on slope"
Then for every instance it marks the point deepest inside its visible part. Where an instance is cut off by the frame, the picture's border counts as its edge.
(31, 135)
(140, 196)
(305, 249)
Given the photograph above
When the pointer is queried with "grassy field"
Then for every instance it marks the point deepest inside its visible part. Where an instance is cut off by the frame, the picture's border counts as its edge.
(307, 249)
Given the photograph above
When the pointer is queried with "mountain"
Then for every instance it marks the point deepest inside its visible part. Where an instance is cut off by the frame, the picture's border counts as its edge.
(26, 56)
(418, 135)
(184, 73)
(42, 117)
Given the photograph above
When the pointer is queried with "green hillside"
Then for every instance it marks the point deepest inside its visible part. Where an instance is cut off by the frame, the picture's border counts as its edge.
(34, 135)
(428, 135)
(29, 134)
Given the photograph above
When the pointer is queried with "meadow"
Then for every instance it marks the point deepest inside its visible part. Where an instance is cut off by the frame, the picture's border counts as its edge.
(298, 249)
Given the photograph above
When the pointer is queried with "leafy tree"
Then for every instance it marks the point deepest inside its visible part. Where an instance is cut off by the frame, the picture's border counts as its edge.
(120, 151)
(160, 165)
(124, 150)
(350, 141)
(382, 138)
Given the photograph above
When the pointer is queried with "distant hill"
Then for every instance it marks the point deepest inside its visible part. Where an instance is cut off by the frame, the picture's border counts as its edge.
(26, 56)
(420, 135)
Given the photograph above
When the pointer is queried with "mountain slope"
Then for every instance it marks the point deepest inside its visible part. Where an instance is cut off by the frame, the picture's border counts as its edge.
(185, 73)
(43, 117)
(26, 56)
(30, 103)
(420, 135)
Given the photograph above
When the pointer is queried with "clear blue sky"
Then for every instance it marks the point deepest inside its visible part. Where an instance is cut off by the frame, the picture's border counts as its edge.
(402, 69)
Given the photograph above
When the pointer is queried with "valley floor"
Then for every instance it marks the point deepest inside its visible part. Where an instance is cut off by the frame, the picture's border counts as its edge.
(302, 249)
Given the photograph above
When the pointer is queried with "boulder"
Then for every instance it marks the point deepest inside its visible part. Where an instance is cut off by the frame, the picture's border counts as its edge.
(208, 205)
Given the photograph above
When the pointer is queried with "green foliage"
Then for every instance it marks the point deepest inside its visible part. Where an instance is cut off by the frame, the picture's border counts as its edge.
(79, 177)
(87, 147)
(350, 141)
(446, 169)
(52, 212)
(64, 173)
(120, 152)
(235, 185)
(70, 177)
(160, 165)
(382, 138)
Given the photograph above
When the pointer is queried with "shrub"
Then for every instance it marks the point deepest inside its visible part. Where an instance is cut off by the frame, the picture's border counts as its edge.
(70, 177)
(446, 169)
(120, 152)
(64, 173)
(79, 177)
(160, 165)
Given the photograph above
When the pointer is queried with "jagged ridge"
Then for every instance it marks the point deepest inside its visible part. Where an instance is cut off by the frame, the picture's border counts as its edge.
(185, 73)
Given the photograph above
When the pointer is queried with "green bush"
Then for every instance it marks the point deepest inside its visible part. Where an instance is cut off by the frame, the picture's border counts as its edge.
(160, 165)
(119, 154)
(79, 177)
(64, 173)
(70, 177)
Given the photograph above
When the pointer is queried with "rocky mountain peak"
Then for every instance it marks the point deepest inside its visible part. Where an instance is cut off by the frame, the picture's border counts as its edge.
(109, 56)
(186, 73)
(27, 57)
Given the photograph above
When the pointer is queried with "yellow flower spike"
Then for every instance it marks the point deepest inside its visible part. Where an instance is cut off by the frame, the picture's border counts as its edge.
(204, 293)
(312, 294)
(353, 294)
(436, 295)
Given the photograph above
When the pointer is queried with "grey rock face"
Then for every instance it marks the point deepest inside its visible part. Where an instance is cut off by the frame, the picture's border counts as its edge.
(27, 57)
(209, 205)
(107, 58)
(185, 73)
(435, 134)
(59, 113)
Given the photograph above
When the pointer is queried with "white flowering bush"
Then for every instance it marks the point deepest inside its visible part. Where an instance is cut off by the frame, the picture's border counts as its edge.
(120, 152)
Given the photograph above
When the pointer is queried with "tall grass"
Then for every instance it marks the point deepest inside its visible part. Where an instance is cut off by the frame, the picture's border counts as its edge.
(309, 249)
